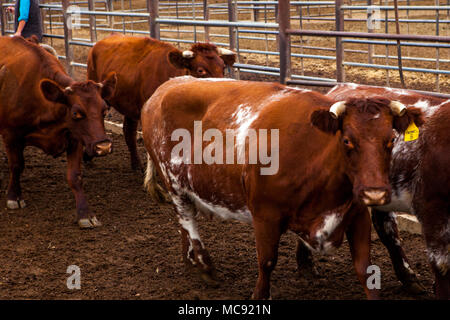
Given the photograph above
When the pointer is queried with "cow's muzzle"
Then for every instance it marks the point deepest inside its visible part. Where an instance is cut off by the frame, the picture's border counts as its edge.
(375, 196)
(103, 148)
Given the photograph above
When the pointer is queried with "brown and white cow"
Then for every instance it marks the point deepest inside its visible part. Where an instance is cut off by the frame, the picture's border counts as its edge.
(142, 64)
(420, 180)
(41, 106)
(327, 161)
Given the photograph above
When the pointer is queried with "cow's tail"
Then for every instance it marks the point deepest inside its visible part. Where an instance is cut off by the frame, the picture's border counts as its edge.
(151, 184)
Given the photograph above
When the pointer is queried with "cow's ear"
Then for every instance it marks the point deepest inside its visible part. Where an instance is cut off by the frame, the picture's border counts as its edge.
(324, 121)
(52, 91)
(412, 114)
(178, 60)
(108, 86)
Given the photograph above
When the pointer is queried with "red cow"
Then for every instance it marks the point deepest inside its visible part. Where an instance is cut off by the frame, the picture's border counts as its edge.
(41, 106)
(420, 178)
(142, 64)
(327, 161)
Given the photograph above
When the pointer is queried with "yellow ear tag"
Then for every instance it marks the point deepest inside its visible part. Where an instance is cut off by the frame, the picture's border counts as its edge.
(412, 133)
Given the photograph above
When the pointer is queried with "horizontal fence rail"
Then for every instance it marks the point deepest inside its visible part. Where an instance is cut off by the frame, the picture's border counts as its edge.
(277, 37)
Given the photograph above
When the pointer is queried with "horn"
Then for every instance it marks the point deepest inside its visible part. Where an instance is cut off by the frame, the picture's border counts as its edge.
(49, 49)
(188, 54)
(225, 52)
(337, 109)
(68, 89)
(397, 108)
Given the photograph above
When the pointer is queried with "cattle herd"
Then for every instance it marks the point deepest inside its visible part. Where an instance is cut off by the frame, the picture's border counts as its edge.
(281, 158)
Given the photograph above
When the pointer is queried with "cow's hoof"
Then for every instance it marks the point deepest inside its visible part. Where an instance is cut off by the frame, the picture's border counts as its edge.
(15, 204)
(210, 280)
(414, 287)
(89, 223)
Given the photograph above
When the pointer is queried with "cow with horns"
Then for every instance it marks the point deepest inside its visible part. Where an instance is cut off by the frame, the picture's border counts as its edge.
(142, 64)
(328, 161)
(420, 179)
(41, 106)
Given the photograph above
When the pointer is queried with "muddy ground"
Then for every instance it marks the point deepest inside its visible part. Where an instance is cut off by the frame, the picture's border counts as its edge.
(137, 252)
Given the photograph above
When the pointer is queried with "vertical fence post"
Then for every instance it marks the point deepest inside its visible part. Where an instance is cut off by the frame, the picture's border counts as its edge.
(153, 7)
(67, 37)
(2, 18)
(92, 21)
(284, 41)
(399, 47)
(339, 49)
(437, 49)
(109, 6)
(254, 13)
(206, 17)
(370, 30)
(232, 16)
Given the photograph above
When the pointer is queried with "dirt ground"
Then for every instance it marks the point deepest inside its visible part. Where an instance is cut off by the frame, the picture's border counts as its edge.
(137, 252)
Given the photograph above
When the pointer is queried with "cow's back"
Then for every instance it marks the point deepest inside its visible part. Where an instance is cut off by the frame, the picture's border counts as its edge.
(239, 106)
(141, 65)
(22, 66)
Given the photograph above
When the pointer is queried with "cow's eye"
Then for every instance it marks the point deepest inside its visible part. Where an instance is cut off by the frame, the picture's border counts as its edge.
(77, 114)
(201, 71)
(346, 141)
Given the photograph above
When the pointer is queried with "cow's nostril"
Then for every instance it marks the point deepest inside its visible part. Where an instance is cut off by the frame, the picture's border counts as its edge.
(374, 197)
(375, 194)
(103, 148)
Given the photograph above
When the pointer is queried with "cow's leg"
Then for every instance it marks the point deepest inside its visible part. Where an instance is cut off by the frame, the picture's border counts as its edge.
(14, 151)
(358, 235)
(193, 250)
(130, 132)
(436, 230)
(386, 227)
(305, 261)
(438, 257)
(267, 236)
(74, 179)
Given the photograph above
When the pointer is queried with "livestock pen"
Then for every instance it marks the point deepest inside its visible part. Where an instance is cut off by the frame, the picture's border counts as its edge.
(135, 255)
(322, 42)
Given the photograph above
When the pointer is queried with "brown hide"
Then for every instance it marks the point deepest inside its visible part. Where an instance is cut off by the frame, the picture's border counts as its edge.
(420, 169)
(40, 105)
(142, 64)
(325, 168)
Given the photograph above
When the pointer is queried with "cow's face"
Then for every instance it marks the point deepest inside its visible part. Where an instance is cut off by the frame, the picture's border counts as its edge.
(87, 108)
(366, 139)
(203, 60)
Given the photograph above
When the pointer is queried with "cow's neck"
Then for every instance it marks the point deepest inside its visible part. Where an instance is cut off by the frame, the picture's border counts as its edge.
(52, 139)
(63, 79)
